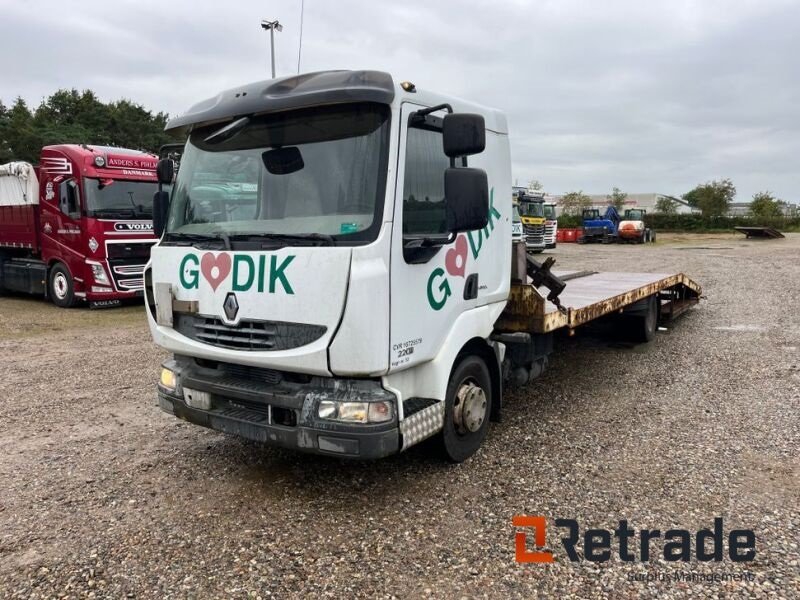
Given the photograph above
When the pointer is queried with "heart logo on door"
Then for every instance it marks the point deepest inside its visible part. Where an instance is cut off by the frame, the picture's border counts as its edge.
(455, 261)
(215, 268)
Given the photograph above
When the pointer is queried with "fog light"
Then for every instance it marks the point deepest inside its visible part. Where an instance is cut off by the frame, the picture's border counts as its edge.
(168, 379)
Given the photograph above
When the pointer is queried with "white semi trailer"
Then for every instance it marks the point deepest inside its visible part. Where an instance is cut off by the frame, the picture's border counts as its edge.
(359, 292)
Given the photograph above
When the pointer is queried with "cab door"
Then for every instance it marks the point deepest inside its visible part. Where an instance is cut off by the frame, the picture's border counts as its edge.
(428, 279)
(62, 235)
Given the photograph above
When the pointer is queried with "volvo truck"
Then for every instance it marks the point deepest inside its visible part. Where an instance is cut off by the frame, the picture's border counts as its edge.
(77, 227)
(365, 294)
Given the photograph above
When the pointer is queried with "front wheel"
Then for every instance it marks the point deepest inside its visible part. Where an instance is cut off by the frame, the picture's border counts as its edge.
(467, 408)
(61, 286)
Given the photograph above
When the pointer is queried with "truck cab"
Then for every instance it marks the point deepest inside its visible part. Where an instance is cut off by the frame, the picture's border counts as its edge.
(531, 210)
(287, 290)
(89, 231)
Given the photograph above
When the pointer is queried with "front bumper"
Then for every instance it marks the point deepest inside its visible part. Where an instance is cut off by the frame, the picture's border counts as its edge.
(281, 414)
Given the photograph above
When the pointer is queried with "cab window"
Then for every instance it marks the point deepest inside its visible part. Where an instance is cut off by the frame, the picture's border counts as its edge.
(69, 199)
(423, 185)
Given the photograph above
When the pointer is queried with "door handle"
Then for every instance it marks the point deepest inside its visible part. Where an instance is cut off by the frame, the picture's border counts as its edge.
(471, 287)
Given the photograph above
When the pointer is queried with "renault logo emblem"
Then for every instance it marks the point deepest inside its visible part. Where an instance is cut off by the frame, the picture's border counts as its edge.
(231, 306)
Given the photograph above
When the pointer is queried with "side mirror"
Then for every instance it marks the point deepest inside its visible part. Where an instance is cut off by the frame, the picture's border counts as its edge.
(463, 134)
(165, 171)
(466, 193)
(160, 212)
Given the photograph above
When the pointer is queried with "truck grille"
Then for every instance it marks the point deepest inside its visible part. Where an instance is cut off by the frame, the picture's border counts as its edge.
(127, 273)
(550, 233)
(247, 334)
(534, 235)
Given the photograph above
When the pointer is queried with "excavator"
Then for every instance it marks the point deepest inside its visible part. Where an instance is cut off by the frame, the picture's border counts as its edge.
(610, 227)
(599, 229)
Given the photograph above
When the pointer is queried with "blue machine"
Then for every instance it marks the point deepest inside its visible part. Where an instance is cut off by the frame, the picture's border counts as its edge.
(600, 229)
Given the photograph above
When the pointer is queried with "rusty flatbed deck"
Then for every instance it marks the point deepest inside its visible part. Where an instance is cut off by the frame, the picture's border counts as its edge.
(589, 296)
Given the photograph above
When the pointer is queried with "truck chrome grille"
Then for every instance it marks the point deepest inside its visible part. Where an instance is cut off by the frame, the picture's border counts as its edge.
(248, 334)
(534, 234)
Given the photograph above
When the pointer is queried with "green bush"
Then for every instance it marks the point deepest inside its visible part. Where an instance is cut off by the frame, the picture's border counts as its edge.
(698, 223)
(569, 221)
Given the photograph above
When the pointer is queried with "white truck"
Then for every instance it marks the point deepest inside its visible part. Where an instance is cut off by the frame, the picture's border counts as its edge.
(361, 292)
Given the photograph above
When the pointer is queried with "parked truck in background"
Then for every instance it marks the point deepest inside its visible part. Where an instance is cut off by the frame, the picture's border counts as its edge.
(78, 226)
(368, 295)
(550, 226)
(531, 211)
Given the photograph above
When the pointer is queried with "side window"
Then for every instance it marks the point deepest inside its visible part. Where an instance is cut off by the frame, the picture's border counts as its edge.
(69, 199)
(423, 185)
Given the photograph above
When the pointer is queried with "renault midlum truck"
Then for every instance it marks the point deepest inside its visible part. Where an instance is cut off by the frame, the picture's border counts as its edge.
(336, 274)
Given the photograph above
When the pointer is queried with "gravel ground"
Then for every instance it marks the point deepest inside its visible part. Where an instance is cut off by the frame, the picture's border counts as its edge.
(102, 495)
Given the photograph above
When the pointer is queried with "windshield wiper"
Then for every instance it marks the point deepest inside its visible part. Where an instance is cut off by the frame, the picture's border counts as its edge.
(313, 239)
(198, 239)
(113, 213)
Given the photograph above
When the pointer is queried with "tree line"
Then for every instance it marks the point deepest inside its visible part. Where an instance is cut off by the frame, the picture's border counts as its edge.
(73, 117)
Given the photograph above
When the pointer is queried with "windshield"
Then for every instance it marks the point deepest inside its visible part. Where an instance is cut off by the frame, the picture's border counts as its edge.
(314, 173)
(515, 214)
(550, 211)
(635, 215)
(531, 209)
(114, 199)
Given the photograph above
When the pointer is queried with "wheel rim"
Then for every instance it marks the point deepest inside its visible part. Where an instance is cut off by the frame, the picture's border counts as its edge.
(469, 408)
(60, 286)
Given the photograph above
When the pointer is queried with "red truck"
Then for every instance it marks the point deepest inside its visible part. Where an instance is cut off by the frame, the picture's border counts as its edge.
(77, 227)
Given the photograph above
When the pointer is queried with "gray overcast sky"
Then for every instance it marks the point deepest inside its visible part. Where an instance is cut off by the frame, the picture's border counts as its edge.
(648, 96)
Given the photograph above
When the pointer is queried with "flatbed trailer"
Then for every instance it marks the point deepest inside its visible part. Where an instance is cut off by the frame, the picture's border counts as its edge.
(590, 295)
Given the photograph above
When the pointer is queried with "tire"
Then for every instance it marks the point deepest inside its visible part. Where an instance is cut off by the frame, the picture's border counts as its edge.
(467, 410)
(640, 327)
(61, 288)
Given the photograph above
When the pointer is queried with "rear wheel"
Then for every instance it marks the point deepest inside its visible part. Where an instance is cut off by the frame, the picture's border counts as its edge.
(61, 287)
(467, 409)
(640, 324)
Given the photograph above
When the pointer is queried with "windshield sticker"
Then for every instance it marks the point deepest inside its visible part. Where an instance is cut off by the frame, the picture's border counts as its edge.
(348, 228)
(245, 272)
(455, 261)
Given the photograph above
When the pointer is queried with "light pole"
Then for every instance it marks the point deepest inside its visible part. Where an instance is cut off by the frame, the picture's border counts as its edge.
(271, 26)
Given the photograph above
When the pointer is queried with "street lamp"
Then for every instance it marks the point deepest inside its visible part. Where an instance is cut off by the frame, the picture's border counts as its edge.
(272, 26)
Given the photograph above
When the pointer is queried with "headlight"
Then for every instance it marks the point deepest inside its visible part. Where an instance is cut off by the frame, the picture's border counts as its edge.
(99, 273)
(356, 412)
(168, 379)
